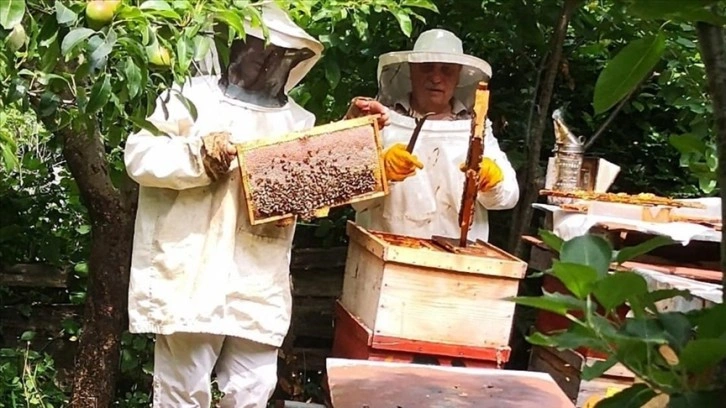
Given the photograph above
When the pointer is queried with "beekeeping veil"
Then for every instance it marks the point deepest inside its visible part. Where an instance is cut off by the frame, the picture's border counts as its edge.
(437, 45)
(274, 69)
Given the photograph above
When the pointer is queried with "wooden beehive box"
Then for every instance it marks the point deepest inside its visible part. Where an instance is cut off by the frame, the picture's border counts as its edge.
(352, 339)
(565, 367)
(409, 288)
(307, 173)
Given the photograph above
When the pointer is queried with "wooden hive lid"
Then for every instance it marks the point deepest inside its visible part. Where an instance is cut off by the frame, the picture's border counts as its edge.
(490, 261)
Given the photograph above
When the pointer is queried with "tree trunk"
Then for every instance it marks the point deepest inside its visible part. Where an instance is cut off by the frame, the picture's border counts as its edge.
(713, 52)
(529, 182)
(112, 214)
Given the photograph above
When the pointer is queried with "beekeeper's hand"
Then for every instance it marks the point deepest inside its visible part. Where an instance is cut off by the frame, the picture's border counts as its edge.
(399, 163)
(490, 174)
(363, 106)
(217, 154)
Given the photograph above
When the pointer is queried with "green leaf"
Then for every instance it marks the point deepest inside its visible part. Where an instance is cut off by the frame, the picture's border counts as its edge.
(202, 45)
(9, 157)
(183, 52)
(627, 70)
(424, 4)
(578, 279)
(100, 95)
(11, 13)
(539, 339)
(702, 354)
(49, 103)
(688, 143)
(552, 240)
(645, 331)
(74, 37)
(635, 396)
(159, 5)
(552, 302)
(576, 336)
(689, 11)
(598, 368)
(27, 336)
(404, 21)
(63, 14)
(133, 77)
(711, 323)
(698, 398)
(662, 294)
(188, 104)
(146, 125)
(232, 19)
(677, 327)
(16, 90)
(256, 21)
(332, 72)
(618, 287)
(98, 56)
(629, 253)
(81, 269)
(591, 250)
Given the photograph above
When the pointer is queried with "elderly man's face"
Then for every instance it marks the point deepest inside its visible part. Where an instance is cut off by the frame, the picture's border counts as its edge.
(433, 85)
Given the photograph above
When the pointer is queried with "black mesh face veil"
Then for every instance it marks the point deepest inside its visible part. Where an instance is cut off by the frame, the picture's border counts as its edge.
(260, 69)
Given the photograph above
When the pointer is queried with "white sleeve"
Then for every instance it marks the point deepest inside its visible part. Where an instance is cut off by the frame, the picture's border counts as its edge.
(504, 195)
(173, 161)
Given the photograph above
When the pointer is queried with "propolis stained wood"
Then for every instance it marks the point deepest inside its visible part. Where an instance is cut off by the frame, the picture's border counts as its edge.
(307, 173)
(413, 289)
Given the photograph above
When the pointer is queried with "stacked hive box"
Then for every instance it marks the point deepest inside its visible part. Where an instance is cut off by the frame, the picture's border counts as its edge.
(565, 367)
(405, 298)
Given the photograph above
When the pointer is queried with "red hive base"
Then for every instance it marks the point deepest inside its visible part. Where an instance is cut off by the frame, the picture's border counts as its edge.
(352, 339)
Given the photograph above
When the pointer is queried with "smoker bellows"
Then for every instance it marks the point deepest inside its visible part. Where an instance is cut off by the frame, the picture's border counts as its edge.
(306, 173)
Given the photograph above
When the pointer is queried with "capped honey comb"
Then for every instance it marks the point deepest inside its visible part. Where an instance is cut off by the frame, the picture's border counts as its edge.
(306, 173)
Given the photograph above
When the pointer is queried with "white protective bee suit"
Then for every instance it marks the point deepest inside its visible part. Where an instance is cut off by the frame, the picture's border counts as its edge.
(428, 202)
(215, 289)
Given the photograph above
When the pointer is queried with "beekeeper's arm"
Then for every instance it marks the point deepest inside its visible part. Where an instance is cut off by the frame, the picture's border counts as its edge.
(498, 187)
(398, 163)
(178, 160)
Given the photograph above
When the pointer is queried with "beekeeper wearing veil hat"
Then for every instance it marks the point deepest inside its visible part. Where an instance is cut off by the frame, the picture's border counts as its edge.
(214, 288)
(435, 77)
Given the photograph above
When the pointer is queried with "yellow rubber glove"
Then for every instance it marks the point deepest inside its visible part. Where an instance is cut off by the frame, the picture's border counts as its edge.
(399, 164)
(490, 174)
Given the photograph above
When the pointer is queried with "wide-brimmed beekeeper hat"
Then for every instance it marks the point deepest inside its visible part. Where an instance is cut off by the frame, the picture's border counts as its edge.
(436, 45)
(283, 32)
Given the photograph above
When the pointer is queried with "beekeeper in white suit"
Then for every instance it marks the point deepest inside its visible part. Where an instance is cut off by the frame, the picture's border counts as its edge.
(435, 77)
(213, 288)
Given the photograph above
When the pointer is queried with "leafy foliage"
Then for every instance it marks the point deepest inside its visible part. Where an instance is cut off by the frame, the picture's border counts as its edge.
(675, 353)
(72, 69)
(681, 81)
(101, 79)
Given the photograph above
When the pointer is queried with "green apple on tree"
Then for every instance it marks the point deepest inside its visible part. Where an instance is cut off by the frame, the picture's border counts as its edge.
(101, 12)
(158, 55)
(17, 37)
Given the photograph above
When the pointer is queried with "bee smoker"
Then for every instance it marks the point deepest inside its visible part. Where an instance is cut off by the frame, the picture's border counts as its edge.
(569, 152)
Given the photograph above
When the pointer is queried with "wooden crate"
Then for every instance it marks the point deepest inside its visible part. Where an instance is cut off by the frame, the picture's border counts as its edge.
(566, 366)
(352, 339)
(307, 173)
(409, 288)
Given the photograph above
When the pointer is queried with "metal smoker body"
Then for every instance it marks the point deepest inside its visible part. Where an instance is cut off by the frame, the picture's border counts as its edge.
(569, 152)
